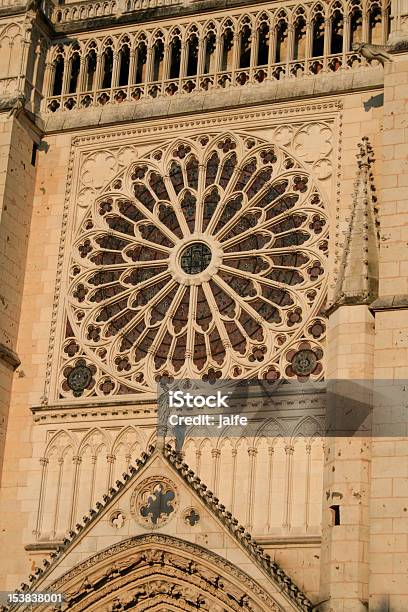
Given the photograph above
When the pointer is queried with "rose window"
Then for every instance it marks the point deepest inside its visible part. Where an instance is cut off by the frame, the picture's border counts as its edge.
(204, 259)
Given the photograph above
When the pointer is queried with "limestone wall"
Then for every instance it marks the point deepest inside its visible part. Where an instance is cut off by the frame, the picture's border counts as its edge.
(354, 115)
(16, 194)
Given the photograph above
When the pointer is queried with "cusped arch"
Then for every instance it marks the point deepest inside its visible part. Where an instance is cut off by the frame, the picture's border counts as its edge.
(57, 50)
(246, 19)
(211, 26)
(229, 22)
(10, 31)
(318, 9)
(282, 14)
(55, 443)
(120, 439)
(124, 39)
(309, 427)
(175, 31)
(87, 441)
(108, 41)
(337, 6)
(271, 429)
(158, 34)
(300, 11)
(92, 44)
(263, 17)
(193, 28)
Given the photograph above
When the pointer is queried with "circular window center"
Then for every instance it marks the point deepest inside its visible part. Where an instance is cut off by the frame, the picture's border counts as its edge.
(195, 258)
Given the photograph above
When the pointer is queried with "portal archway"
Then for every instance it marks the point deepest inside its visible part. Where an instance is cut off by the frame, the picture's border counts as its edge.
(160, 573)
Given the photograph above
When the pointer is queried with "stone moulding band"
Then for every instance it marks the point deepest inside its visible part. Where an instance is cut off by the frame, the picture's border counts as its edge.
(9, 357)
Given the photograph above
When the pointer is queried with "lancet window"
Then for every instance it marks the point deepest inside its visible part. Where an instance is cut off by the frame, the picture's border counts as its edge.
(90, 64)
(192, 53)
(299, 47)
(175, 55)
(74, 69)
(124, 63)
(263, 41)
(245, 41)
(227, 46)
(210, 46)
(107, 65)
(281, 38)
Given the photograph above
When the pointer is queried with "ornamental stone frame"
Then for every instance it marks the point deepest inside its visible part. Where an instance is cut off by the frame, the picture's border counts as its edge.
(291, 140)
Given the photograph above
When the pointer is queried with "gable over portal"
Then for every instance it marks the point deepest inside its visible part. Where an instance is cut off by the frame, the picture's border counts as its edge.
(164, 538)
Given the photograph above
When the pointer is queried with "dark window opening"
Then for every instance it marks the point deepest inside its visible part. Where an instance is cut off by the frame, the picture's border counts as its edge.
(75, 65)
(158, 56)
(175, 58)
(356, 27)
(141, 63)
(107, 68)
(124, 59)
(58, 75)
(281, 41)
(335, 510)
(246, 40)
(90, 70)
(299, 48)
(192, 62)
(227, 50)
(375, 34)
(336, 43)
(263, 45)
(318, 37)
(34, 154)
(209, 60)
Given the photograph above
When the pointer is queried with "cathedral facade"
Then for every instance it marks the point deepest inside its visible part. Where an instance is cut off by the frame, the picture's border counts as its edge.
(208, 191)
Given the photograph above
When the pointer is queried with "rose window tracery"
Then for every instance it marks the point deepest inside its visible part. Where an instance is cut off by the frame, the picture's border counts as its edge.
(205, 258)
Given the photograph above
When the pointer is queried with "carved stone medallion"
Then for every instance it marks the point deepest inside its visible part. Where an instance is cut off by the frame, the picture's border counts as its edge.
(154, 502)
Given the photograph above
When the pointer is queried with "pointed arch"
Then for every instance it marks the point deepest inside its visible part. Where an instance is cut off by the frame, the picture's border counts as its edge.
(119, 439)
(158, 562)
(61, 435)
(86, 441)
(309, 428)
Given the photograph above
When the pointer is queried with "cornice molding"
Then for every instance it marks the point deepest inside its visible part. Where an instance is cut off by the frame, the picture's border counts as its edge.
(224, 101)
(9, 357)
(161, 126)
(390, 302)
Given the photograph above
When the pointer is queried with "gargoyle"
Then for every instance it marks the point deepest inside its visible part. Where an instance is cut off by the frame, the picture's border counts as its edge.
(373, 52)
